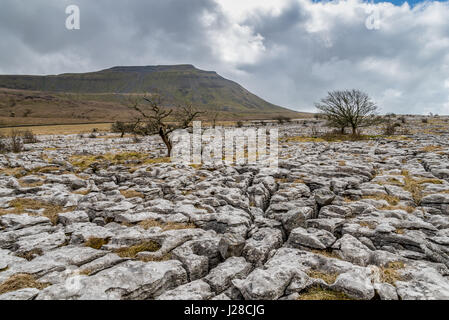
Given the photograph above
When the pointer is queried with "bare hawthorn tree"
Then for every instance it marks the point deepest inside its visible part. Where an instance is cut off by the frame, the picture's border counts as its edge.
(122, 128)
(349, 108)
(155, 118)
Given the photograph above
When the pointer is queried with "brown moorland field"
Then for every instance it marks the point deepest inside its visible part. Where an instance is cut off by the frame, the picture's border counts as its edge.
(63, 129)
(60, 129)
(34, 108)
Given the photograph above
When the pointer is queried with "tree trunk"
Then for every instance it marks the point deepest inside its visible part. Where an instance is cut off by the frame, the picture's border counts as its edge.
(169, 148)
(343, 130)
(166, 140)
(354, 130)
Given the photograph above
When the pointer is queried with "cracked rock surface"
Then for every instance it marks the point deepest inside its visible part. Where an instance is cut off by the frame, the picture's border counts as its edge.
(108, 218)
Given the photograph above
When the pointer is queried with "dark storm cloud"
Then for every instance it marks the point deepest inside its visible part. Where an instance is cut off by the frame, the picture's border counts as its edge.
(289, 52)
(112, 32)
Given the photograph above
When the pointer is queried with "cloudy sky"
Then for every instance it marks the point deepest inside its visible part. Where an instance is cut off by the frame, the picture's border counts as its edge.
(289, 52)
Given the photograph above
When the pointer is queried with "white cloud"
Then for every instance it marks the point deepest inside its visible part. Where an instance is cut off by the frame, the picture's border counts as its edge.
(232, 42)
(446, 83)
(239, 10)
(403, 64)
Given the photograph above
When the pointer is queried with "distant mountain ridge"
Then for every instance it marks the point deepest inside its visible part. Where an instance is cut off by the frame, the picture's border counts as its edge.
(101, 96)
(177, 83)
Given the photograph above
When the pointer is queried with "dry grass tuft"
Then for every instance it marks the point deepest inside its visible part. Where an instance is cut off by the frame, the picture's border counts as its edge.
(367, 224)
(338, 137)
(392, 181)
(318, 293)
(392, 200)
(157, 160)
(347, 200)
(430, 181)
(18, 172)
(131, 252)
(150, 223)
(326, 253)
(85, 161)
(329, 278)
(47, 169)
(132, 194)
(82, 192)
(125, 156)
(25, 205)
(281, 180)
(413, 186)
(85, 272)
(288, 180)
(133, 169)
(21, 281)
(301, 139)
(389, 273)
(31, 254)
(164, 257)
(409, 209)
(96, 243)
(430, 148)
(31, 185)
(43, 128)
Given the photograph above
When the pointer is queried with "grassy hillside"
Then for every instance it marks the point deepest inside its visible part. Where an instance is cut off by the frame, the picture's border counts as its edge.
(99, 96)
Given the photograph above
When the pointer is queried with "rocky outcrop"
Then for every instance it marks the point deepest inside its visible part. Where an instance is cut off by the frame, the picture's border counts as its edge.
(364, 219)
